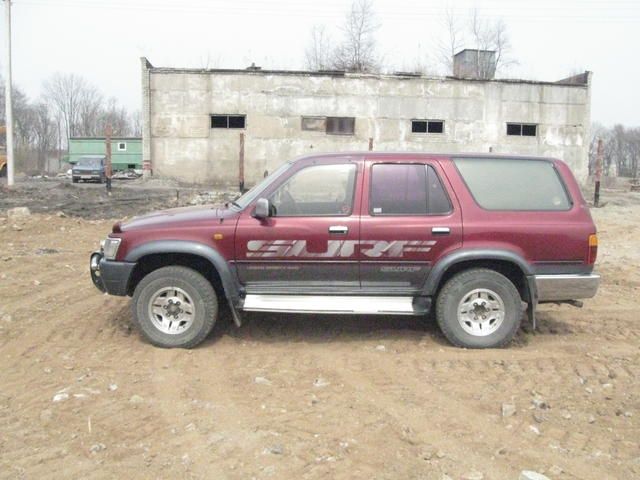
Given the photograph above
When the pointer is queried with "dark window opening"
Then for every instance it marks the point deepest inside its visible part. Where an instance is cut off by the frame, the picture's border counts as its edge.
(522, 129)
(407, 189)
(228, 121)
(341, 125)
(427, 126)
(418, 126)
(436, 126)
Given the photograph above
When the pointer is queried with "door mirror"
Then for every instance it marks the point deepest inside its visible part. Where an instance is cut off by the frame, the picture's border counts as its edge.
(262, 209)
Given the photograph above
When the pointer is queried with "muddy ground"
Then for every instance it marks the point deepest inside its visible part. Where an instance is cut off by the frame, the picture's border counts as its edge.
(290, 396)
(91, 200)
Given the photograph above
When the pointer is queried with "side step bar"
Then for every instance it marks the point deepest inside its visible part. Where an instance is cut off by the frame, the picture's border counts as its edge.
(336, 304)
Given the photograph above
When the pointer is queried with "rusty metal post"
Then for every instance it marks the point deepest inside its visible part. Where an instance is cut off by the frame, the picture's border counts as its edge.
(241, 166)
(371, 144)
(107, 166)
(599, 155)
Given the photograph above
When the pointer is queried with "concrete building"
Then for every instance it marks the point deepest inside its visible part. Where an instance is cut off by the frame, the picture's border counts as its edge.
(199, 124)
(126, 152)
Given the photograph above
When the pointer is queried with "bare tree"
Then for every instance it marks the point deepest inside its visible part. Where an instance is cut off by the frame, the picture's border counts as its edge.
(136, 123)
(451, 42)
(318, 52)
(45, 133)
(621, 150)
(489, 35)
(65, 93)
(480, 34)
(90, 109)
(117, 116)
(358, 51)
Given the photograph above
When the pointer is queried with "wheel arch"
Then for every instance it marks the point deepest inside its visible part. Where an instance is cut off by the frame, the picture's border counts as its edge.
(508, 263)
(152, 255)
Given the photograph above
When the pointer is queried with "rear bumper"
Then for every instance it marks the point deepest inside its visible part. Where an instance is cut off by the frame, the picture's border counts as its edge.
(553, 288)
(109, 276)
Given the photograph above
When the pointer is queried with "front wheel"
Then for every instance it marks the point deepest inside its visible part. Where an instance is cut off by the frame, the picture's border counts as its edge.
(175, 307)
(479, 308)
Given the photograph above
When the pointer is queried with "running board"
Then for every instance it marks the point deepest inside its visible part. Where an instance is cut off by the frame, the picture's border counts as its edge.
(336, 304)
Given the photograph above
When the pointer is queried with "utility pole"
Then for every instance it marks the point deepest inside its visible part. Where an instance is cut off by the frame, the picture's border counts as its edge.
(107, 167)
(599, 155)
(8, 102)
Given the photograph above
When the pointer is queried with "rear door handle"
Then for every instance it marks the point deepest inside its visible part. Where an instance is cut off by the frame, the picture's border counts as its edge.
(441, 230)
(339, 229)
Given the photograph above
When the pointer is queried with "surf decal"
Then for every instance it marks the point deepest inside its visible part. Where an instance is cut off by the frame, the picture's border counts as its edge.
(337, 248)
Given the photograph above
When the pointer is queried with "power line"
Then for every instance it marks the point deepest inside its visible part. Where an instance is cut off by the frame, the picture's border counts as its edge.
(602, 12)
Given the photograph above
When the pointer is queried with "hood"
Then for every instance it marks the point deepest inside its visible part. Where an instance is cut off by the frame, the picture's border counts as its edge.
(177, 217)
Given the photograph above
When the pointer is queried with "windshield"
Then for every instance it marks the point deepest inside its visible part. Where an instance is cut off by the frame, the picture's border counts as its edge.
(89, 162)
(249, 196)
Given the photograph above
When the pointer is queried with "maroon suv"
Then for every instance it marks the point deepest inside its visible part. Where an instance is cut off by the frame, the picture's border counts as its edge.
(484, 239)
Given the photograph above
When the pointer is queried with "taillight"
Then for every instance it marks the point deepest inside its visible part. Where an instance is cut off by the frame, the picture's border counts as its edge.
(593, 249)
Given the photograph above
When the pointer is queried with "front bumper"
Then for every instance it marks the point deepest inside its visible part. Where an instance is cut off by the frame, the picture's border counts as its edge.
(110, 276)
(555, 288)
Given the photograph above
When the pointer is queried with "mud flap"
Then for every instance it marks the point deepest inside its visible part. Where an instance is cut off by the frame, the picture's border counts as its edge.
(237, 319)
(532, 300)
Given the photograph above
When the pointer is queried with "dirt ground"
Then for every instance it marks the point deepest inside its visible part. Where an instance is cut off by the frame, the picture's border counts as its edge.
(82, 396)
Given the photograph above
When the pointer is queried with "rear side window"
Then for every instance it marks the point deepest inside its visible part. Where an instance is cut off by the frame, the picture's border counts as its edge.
(512, 184)
(407, 189)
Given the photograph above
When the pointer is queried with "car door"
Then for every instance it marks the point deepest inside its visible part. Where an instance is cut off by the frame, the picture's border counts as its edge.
(410, 218)
(308, 243)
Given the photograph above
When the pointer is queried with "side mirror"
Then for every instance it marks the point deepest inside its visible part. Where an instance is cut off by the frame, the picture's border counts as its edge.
(262, 209)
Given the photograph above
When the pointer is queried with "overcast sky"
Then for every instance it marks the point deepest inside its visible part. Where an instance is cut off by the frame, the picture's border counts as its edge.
(103, 39)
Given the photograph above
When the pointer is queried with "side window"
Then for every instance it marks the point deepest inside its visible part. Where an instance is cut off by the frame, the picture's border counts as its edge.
(320, 190)
(514, 184)
(437, 198)
(407, 189)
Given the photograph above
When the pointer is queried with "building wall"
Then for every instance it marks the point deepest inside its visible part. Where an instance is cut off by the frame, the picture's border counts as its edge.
(97, 146)
(182, 144)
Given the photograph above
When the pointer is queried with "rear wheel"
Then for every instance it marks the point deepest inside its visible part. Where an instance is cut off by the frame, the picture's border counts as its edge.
(175, 307)
(479, 308)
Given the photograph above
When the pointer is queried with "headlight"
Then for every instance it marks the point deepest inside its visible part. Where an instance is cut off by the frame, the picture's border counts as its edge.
(110, 247)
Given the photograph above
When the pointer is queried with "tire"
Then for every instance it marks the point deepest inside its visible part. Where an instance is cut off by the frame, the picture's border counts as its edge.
(3, 170)
(479, 308)
(164, 288)
(75, 179)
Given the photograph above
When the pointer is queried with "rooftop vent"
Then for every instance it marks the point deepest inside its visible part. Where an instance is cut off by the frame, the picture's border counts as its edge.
(475, 64)
(254, 67)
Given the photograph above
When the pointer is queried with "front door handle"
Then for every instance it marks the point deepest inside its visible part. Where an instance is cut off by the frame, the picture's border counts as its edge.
(441, 230)
(338, 229)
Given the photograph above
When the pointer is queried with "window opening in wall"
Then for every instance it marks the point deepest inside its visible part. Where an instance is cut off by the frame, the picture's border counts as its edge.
(228, 121)
(340, 125)
(427, 126)
(122, 147)
(522, 129)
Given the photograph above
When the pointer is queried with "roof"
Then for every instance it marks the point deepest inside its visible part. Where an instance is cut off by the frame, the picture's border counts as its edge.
(343, 74)
(104, 138)
(421, 155)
